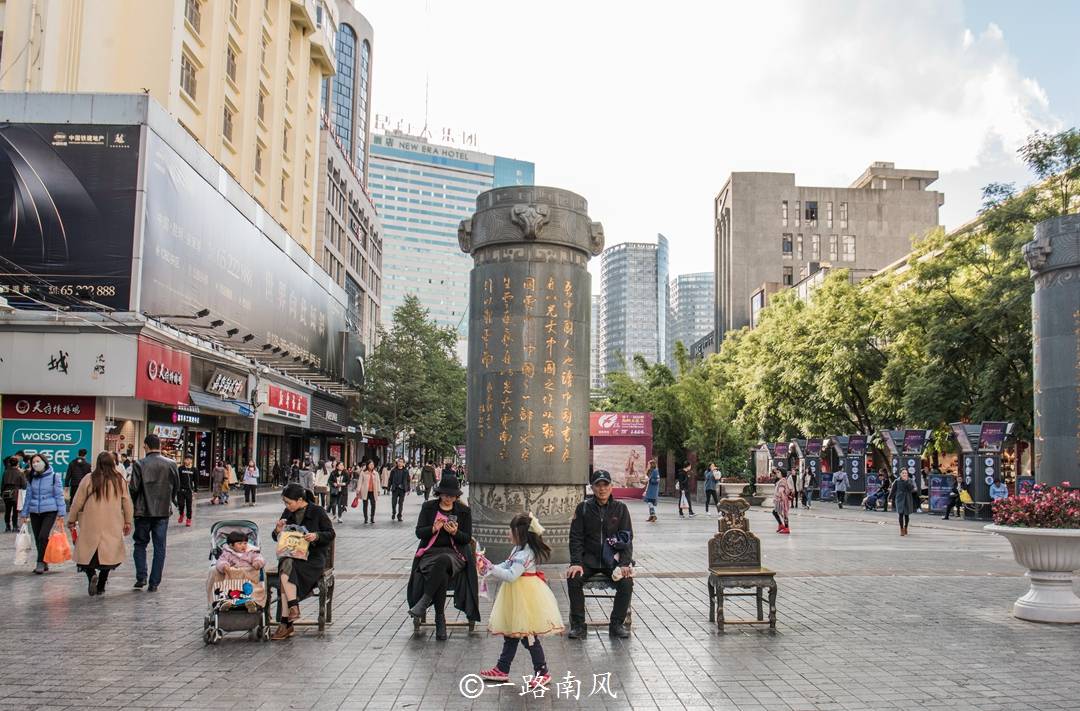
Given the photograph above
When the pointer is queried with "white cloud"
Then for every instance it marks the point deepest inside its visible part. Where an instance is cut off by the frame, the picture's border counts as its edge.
(644, 108)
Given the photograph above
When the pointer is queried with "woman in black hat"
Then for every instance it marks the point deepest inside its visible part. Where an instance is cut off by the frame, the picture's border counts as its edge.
(444, 557)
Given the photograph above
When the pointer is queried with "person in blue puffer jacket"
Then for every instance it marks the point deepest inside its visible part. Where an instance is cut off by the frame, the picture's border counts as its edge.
(44, 506)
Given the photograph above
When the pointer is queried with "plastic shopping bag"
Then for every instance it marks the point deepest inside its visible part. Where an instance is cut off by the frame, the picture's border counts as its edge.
(356, 501)
(24, 546)
(59, 549)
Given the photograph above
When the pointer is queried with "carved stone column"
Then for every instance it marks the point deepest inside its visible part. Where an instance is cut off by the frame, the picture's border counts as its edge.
(1054, 259)
(528, 371)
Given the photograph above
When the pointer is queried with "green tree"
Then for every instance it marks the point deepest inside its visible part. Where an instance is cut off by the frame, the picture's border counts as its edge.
(415, 382)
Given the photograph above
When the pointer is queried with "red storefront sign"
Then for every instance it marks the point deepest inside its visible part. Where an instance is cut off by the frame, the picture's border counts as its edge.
(290, 402)
(620, 424)
(47, 407)
(162, 374)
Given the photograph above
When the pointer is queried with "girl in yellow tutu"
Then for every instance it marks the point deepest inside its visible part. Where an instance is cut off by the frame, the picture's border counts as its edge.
(525, 608)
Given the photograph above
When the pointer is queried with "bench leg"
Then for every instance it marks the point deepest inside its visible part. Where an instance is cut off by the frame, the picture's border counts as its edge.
(760, 614)
(712, 603)
(330, 603)
(720, 607)
(772, 607)
(322, 609)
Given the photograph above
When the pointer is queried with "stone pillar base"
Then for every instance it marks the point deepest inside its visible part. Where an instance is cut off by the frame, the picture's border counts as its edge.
(493, 505)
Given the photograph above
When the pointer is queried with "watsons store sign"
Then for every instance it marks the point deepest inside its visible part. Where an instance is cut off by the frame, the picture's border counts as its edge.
(58, 441)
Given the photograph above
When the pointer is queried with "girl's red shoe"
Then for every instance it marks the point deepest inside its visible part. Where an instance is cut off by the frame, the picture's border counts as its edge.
(494, 674)
(785, 529)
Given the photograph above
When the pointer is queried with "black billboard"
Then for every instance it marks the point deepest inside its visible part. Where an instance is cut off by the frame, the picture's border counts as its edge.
(67, 213)
(199, 252)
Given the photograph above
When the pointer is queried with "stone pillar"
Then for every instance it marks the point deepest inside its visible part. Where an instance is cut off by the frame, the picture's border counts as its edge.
(1054, 258)
(528, 370)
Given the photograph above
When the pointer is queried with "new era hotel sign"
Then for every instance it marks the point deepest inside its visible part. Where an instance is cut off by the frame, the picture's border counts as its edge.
(162, 374)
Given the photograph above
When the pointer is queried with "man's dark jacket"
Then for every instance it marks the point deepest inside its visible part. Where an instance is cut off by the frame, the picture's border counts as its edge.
(399, 479)
(75, 473)
(589, 530)
(153, 486)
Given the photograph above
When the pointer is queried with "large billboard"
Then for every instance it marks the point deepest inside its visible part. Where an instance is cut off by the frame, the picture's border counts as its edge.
(622, 445)
(67, 214)
(199, 252)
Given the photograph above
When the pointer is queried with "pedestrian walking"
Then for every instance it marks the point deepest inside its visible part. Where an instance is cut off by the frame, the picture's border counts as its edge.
(712, 478)
(954, 498)
(78, 468)
(185, 495)
(807, 487)
(44, 505)
(368, 489)
(218, 489)
(652, 490)
(525, 608)
(782, 496)
(251, 483)
(153, 486)
(307, 475)
(427, 478)
(682, 484)
(399, 486)
(339, 491)
(840, 484)
(321, 480)
(384, 478)
(902, 496)
(101, 516)
(294, 472)
(14, 483)
(230, 478)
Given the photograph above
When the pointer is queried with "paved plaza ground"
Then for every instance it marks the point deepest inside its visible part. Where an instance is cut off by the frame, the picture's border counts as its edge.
(867, 620)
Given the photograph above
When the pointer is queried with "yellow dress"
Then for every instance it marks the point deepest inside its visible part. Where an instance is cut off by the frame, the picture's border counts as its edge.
(524, 605)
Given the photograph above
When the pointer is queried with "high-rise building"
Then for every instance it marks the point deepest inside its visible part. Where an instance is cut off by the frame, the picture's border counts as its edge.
(241, 76)
(349, 241)
(423, 190)
(690, 310)
(770, 231)
(596, 370)
(633, 303)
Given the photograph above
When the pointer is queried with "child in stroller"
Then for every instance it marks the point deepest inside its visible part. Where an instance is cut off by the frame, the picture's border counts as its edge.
(235, 587)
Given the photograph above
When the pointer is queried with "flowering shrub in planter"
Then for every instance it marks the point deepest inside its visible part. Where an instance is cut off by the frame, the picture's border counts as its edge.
(1045, 507)
(1043, 529)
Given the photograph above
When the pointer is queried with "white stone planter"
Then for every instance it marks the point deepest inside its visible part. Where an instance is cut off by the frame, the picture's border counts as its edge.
(731, 491)
(766, 490)
(1052, 557)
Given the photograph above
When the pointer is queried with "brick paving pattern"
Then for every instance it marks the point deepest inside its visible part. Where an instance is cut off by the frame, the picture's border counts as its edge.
(867, 620)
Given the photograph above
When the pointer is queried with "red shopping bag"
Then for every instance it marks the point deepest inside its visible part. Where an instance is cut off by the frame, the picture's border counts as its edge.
(58, 550)
(356, 501)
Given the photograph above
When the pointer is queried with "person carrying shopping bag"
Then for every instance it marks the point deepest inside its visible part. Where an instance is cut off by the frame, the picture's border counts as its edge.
(103, 514)
(44, 506)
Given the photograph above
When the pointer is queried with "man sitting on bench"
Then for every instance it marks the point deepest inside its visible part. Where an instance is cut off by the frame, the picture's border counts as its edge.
(601, 536)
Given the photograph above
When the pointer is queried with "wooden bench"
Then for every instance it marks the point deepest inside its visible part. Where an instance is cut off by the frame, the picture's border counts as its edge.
(735, 563)
(419, 622)
(601, 587)
(324, 588)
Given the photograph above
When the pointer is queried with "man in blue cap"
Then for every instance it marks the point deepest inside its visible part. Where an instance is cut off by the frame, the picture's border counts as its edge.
(601, 541)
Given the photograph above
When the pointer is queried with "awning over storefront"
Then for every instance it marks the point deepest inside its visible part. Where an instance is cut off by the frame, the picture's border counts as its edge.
(212, 403)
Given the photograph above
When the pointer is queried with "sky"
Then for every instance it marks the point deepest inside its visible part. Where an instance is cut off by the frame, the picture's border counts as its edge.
(644, 108)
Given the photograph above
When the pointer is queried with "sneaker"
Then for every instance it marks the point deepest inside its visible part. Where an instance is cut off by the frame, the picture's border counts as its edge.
(785, 530)
(539, 679)
(494, 674)
(139, 584)
(152, 588)
(92, 587)
(693, 515)
(188, 524)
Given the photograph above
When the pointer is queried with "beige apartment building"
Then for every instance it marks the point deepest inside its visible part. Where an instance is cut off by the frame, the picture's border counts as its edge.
(771, 233)
(241, 76)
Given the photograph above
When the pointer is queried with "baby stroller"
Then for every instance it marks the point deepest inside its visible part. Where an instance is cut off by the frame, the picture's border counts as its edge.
(234, 604)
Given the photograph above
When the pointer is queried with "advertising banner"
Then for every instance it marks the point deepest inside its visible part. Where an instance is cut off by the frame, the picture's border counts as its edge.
(856, 444)
(813, 465)
(855, 473)
(214, 257)
(940, 485)
(873, 483)
(287, 404)
(991, 436)
(67, 363)
(622, 445)
(162, 374)
(914, 441)
(37, 407)
(69, 228)
(1025, 485)
(826, 491)
(813, 447)
(59, 440)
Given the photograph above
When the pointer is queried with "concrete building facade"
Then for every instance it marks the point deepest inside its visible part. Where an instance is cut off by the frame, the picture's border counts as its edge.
(768, 230)
(422, 191)
(348, 239)
(633, 303)
(243, 77)
(690, 310)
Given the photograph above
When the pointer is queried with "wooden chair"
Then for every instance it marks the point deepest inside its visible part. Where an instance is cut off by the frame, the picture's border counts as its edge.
(735, 562)
(324, 588)
(419, 622)
(601, 587)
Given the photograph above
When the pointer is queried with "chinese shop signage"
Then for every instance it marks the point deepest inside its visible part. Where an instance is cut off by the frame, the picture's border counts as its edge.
(227, 384)
(162, 374)
(37, 407)
(287, 404)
